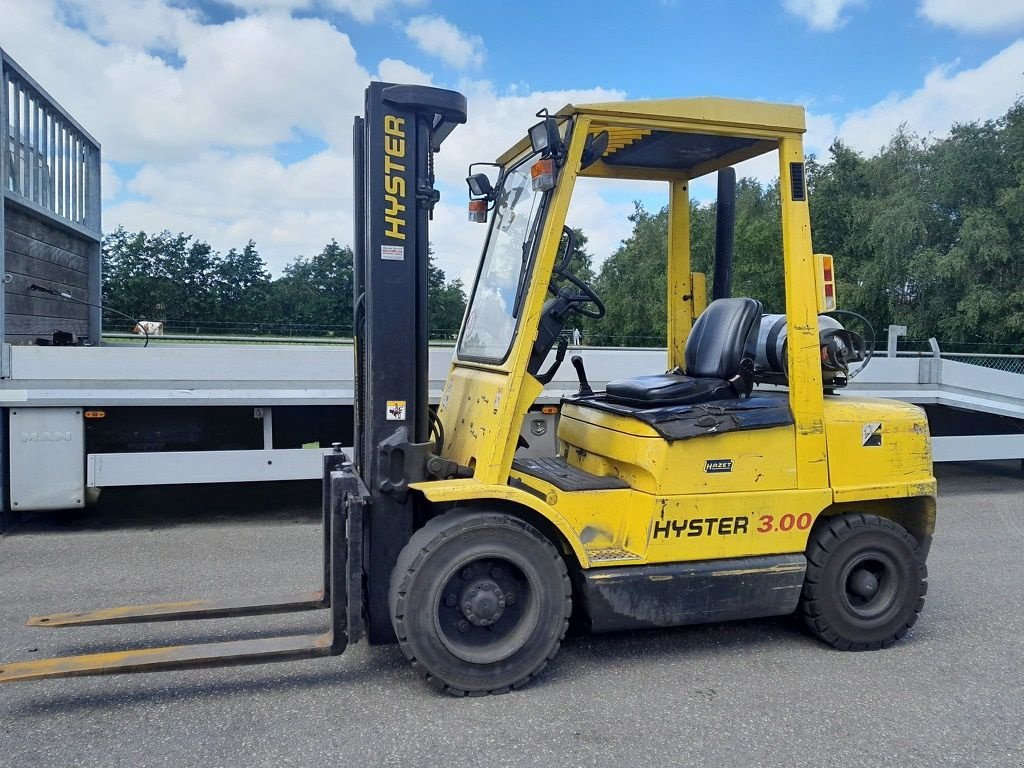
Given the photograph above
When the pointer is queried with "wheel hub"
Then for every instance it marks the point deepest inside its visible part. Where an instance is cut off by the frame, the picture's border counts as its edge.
(482, 603)
(863, 583)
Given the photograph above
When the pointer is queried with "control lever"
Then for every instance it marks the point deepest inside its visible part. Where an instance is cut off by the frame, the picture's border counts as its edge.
(581, 374)
(545, 378)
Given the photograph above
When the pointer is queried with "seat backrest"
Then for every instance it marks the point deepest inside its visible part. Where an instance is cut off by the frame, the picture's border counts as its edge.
(722, 336)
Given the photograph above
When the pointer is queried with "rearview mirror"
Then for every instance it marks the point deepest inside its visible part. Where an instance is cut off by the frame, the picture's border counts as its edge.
(482, 193)
(596, 146)
(569, 236)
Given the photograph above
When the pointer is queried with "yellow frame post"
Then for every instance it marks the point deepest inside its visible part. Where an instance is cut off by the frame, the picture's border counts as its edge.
(679, 302)
(806, 398)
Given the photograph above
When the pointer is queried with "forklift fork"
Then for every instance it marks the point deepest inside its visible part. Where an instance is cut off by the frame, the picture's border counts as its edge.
(344, 502)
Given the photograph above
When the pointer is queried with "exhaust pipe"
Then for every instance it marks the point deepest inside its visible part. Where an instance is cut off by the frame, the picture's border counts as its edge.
(725, 233)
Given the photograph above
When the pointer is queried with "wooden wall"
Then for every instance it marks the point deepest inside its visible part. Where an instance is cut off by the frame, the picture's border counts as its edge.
(37, 252)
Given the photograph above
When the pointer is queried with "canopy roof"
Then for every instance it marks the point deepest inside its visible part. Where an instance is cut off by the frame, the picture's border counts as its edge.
(671, 138)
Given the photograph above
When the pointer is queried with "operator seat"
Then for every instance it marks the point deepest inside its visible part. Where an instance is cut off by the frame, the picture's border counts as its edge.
(719, 361)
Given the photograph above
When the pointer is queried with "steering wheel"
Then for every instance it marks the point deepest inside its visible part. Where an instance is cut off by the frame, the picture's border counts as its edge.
(582, 300)
(579, 302)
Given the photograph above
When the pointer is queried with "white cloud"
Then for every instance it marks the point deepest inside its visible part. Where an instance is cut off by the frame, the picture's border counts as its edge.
(947, 96)
(826, 15)
(204, 133)
(439, 37)
(110, 183)
(397, 71)
(226, 199)
(241, 84)
(977, 16)
(139, 23)
(360, 10)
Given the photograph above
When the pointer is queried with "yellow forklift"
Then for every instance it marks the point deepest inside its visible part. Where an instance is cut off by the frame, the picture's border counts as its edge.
(740, 482)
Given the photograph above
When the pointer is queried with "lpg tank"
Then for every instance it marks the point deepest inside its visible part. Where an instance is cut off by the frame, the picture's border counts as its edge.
(839, 348)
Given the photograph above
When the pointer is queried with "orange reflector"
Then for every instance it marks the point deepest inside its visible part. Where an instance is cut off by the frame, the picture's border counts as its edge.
(826, 282)
(478, 210)
(542, 175)
(95, 414)
(549, 409)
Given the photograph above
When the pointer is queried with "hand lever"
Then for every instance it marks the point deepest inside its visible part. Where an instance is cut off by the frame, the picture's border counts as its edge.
(545, 378)
(581, 374)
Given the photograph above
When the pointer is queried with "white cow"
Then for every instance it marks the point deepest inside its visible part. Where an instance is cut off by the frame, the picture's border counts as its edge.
(148, 328)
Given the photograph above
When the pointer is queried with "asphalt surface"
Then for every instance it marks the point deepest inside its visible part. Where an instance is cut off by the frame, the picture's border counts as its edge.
(755, 693)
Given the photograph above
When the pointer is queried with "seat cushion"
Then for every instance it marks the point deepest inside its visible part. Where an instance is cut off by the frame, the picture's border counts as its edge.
(723, 335)
(667, 389)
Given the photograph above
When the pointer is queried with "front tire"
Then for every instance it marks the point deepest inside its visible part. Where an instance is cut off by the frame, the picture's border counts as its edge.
(865, 584)
(480, 602)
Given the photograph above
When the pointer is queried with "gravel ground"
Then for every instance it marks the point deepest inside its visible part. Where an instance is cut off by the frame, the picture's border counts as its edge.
(755, 693)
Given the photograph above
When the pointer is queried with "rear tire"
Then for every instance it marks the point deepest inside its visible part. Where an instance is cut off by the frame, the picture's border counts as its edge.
(865, 583)
(480, 602)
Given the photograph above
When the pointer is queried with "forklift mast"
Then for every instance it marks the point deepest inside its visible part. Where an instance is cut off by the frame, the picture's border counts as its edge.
(393, 147)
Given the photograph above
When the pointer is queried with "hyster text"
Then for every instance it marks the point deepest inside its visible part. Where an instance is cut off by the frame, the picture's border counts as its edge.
(700, 526)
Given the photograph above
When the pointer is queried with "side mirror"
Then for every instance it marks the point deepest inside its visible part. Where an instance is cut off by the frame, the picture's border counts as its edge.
(570, 250)
(482, 193)
(596, 146)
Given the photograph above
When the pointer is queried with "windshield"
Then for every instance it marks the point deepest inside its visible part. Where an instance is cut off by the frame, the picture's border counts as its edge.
(502, 283)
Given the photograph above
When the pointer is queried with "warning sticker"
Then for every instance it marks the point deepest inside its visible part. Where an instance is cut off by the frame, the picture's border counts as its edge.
(396, 410)
(392, 252)
(872, 434)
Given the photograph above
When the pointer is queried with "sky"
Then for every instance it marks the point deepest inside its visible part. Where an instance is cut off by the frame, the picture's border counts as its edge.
(232, 119)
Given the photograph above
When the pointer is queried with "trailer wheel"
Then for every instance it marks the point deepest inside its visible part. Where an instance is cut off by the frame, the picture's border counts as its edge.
(865, 583)
(480, 602)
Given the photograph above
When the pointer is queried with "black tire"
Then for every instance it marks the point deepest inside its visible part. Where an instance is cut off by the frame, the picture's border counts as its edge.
(480, 602)
(865, 582)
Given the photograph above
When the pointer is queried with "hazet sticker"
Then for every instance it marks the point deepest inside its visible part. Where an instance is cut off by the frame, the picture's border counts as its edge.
(392, 252)
(396, 410)
(713, 466)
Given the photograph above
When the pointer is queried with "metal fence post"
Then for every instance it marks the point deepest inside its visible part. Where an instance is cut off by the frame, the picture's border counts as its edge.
(895, 331)
(5, 144)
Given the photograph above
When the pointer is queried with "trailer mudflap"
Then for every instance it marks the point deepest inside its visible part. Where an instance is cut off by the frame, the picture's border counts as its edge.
(342, 594)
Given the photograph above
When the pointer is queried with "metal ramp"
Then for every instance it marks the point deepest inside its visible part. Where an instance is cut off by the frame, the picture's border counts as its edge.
(984, 407)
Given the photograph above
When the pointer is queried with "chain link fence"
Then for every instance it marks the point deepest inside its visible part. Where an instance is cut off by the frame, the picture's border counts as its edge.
(1009, 363)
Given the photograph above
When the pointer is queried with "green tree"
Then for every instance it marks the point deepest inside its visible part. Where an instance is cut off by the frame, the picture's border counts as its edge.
(632, 284)
(243, 286)
(446, 302)
(315, 294)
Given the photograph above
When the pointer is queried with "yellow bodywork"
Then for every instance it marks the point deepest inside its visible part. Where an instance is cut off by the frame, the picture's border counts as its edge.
(839, 450)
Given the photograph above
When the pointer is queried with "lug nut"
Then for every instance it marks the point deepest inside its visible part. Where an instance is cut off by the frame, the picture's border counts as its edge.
(510, 598)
